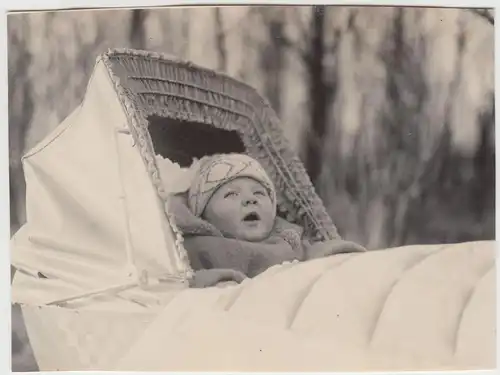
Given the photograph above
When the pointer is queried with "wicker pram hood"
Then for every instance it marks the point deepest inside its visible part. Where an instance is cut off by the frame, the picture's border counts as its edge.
(152, 84)
(95, 199)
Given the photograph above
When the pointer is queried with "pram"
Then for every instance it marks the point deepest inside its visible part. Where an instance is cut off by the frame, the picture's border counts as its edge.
(102, 272)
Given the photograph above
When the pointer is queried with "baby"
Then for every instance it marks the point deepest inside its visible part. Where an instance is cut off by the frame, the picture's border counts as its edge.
(234, 193)
(229, 222)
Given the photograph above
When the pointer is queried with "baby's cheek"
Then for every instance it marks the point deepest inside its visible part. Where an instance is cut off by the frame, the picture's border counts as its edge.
(268, 226)
(229, 224)
(271, 217)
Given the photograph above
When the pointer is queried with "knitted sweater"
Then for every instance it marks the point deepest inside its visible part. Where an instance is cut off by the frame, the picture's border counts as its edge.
(208, 249)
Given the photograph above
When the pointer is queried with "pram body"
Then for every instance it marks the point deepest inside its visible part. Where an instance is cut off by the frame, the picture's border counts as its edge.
(102, 271)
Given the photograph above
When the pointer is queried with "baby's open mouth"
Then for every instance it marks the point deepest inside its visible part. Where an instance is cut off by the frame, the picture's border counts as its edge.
(251, 217)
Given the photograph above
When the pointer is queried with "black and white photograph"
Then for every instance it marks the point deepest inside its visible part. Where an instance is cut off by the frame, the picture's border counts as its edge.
(261, 188)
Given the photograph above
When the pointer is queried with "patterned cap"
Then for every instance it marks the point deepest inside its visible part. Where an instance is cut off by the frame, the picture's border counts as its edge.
(214, 171)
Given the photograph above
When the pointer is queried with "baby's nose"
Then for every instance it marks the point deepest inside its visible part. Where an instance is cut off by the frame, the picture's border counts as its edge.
(249, 200)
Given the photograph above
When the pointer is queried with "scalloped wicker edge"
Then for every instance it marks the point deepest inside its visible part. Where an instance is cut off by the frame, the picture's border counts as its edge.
(138, 126)
(270, 141)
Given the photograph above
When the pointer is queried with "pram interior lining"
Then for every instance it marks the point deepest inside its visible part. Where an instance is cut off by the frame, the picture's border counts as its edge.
(182, 141)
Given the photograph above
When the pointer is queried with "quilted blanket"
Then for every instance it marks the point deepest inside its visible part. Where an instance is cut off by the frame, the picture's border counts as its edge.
(409, 308)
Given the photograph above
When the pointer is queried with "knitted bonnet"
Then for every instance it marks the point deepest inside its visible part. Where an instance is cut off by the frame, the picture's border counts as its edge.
(214, 171)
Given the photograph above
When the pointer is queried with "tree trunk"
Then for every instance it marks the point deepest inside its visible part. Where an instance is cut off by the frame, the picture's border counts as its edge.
(137, 34)
(185, 33)
(220, 39)
(318, 94)
(272, 63)
(20, 113)
(483, 191)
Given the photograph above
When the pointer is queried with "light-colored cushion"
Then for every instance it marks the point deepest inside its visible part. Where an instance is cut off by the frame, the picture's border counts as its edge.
(414, 307)
(175, 179)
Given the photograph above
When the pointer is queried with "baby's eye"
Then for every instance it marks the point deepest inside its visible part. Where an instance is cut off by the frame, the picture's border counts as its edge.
(229, 194)
(260, 192)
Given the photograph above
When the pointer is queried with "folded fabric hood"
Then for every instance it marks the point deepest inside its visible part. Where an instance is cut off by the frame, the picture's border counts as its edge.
(95, 199)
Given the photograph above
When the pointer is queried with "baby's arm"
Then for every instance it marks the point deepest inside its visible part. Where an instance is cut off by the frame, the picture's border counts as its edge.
(249, 258)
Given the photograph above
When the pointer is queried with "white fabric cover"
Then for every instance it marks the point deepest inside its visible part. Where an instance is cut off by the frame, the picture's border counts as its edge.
(94, 219)
(409, 308)
(418, 308)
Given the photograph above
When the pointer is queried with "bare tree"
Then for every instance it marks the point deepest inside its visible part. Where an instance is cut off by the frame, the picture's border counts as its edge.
(319, 94)
(312, 49)
(21, 110)
(185, 32)
(137, 33)
(402, 173)
(483, 189)
(220, 38)
(428, 169)
(272, 57)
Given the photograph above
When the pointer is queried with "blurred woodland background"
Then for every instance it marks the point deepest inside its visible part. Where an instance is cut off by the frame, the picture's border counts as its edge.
(391, 109)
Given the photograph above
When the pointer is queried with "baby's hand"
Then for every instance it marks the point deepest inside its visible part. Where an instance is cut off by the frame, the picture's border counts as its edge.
(211, 277)
(332, 247)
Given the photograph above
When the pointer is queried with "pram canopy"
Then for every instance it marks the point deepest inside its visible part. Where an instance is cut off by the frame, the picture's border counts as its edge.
(94, 218)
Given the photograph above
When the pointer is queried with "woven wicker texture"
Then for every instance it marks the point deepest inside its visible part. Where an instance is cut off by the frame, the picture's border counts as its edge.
(150, 84)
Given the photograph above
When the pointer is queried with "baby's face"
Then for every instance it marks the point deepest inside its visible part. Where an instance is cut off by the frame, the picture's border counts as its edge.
(242, 209)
